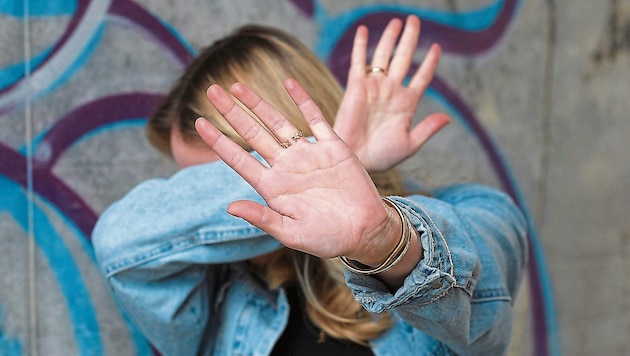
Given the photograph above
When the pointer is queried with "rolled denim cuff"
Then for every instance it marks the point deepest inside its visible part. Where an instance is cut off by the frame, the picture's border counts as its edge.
(431, 279)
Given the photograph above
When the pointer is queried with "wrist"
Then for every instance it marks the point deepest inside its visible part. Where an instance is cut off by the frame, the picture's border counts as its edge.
(395, 238)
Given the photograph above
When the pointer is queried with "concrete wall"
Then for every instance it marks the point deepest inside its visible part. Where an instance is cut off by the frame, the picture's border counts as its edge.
(539, 91)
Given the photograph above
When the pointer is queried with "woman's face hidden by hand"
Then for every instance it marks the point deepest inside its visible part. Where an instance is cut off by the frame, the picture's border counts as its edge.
(190, 152)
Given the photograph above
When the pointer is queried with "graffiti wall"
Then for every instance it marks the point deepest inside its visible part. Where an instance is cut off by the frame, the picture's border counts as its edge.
(536, 89)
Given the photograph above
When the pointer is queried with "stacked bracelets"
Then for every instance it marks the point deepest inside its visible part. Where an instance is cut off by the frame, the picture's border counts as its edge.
(408, 231)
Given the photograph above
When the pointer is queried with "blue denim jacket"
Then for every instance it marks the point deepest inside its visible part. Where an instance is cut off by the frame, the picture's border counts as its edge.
(165, 246)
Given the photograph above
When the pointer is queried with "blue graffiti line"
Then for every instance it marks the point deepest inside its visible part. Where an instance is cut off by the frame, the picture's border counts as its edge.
(78, 62)
(83, 321)
(14, 72)
(37, 8)
(9, 346)
(534, 240)
(127, 123)
(333, 28)
(178, 36)
(11, 199)
(62, 264)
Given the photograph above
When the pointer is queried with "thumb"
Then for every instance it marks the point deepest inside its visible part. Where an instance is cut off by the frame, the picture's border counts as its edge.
(428, 127)
(258, 215)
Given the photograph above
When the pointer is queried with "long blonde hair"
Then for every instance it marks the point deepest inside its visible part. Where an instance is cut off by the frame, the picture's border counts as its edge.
(262, 57)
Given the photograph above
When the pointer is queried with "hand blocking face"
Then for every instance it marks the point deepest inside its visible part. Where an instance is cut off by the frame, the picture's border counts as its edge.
(320, 200)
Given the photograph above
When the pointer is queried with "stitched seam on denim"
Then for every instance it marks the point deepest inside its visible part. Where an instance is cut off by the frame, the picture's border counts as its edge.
(491, 299)
(490, 294)
(140, 258)
(469, 285)
(439, 295)
(429, 232)
(412, 295)
(227, 234)
(171, 246)
(448, 251)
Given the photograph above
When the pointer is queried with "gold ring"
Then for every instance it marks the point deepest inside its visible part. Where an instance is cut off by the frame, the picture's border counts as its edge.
(285, 144)
(297, 135)
(380, 70)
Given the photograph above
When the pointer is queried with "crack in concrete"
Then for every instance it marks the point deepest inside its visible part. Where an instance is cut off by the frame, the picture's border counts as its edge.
(545, 128)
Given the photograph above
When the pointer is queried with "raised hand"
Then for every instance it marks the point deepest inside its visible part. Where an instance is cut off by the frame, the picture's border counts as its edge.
(376, 114)
(320, 200)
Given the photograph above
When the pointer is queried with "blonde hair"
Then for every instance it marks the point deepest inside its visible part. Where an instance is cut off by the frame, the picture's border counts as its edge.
(263, 58)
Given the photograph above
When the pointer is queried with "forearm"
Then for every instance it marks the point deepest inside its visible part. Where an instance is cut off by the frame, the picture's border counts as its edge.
(161, 248)
(461, 290)
(170, 306)
(187, 211)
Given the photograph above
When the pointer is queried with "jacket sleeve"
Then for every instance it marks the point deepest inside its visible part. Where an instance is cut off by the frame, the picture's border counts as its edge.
(461, 293)
(161, 249)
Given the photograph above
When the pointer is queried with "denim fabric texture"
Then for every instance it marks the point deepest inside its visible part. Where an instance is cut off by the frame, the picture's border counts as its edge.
(174, 260)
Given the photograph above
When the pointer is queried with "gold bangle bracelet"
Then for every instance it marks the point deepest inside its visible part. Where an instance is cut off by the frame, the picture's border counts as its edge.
(408, 231)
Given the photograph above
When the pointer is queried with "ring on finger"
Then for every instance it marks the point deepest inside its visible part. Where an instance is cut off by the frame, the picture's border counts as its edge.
(297, 135)
(374, 69)
(286, 144)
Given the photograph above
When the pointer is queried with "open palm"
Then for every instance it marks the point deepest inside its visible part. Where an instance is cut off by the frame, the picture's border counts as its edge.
(376, 114)
(319, 197)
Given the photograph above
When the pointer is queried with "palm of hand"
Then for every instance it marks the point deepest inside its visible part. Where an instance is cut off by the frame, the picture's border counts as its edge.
(306, 185)
(383, 138)
(376, 114)
(343, 194)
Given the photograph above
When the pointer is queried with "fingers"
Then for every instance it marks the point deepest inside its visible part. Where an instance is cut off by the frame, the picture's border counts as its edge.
(231, 153)
(311, 112)
(358, 58)
(250, 130)
(424, 75)
(428, 127)
(398, 63)
(405, 50)
(284, 133)
(269, 138)
(385, 46)
(258, 215)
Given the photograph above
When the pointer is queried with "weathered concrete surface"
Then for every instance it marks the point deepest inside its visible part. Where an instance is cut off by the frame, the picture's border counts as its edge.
(550, 89)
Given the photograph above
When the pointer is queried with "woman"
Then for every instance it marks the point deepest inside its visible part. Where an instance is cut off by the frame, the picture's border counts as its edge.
(266, 281)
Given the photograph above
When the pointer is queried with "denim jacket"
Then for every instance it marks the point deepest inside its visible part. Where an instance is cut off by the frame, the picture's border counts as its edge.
(174, 260)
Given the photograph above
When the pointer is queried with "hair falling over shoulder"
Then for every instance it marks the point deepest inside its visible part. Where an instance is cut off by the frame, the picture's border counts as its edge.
(330, 304)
